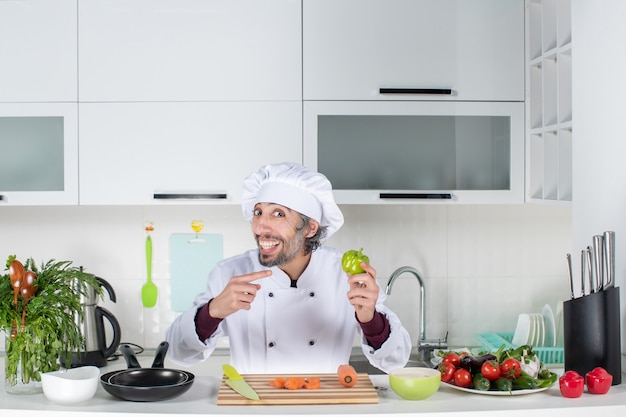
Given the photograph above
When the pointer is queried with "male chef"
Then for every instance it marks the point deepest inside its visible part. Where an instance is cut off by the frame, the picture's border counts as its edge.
(287, 306)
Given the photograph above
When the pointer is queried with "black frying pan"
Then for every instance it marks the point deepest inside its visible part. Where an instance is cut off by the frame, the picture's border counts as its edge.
(146, 384)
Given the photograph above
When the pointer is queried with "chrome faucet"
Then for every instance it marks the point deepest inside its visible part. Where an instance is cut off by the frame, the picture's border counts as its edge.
(424, 346)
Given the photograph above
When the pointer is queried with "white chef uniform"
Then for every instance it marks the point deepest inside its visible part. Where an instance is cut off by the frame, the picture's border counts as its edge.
(307, 329)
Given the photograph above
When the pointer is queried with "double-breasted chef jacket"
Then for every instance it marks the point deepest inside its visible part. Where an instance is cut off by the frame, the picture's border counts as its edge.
(307, 329)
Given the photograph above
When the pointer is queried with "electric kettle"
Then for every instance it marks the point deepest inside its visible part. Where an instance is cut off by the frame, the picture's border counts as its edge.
(92, 326)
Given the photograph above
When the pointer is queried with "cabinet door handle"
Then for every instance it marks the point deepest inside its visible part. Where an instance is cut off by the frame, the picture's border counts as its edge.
(441, 196)
(1, 197)
(190, 196)
(442, 91)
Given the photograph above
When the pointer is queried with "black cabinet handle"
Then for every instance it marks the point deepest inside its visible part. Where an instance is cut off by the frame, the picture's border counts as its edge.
(440, 91)
(440, 196)
(1, 197)
(190, 196)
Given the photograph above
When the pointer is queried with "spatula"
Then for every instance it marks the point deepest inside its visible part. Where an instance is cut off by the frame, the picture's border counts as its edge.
(149, 291)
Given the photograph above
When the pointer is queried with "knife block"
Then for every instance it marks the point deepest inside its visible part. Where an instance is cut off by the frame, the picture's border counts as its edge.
(591, 333)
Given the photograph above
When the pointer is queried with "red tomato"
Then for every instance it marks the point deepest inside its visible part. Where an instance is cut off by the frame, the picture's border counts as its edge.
(452, 358)
(462, 378)
(598, 381)
(447, 371)
(510, 368)
(571, 384)
(490, 370)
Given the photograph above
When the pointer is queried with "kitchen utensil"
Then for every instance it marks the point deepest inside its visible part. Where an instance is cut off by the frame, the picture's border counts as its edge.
(415, 383)
(583, 272)
(609, 259)
(16, 275)
(598, 247)
(149, 291)
(237, 383)
(92, 325)
(190, 263)
(330, 391)
(146, 384)
(70, 386)
(570, 275)
(589, 270)
(27, 290)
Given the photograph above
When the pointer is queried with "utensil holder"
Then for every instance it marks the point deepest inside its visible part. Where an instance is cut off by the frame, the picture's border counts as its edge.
(591, 330)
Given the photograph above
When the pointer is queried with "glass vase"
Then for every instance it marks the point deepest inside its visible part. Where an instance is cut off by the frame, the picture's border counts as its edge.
(21, 374)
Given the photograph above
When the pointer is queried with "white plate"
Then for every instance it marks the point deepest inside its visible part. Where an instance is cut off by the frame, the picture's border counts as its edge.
(541, 331)
(497, 393)
(550, 326)
(522, 330)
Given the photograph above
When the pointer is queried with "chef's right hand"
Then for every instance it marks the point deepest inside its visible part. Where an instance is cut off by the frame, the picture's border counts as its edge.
(238, 294)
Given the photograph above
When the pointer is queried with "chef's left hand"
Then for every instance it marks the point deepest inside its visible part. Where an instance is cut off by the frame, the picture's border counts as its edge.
(363, 293)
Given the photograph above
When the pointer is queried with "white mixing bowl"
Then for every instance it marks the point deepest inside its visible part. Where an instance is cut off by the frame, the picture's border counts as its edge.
(70, 386)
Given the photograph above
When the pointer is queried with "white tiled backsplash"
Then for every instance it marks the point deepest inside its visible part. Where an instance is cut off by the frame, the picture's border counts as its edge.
(482, 265)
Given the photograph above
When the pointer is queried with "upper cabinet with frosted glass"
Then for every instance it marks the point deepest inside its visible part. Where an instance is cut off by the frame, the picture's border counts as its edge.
(549, 101)
(413, 50)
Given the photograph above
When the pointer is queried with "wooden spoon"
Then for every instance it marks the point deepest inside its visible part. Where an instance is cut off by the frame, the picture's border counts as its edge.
(27, 290)
(16, 274)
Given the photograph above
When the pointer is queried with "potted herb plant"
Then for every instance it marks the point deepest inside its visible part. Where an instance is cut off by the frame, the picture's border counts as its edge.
(40, 313)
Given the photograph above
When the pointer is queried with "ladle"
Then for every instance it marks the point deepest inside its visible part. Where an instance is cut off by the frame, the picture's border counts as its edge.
(27, 290)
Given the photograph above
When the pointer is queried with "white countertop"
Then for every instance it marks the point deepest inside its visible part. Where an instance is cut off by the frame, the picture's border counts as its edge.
(201, 400)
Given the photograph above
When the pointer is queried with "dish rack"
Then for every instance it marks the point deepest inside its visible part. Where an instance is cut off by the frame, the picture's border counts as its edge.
(493, 341)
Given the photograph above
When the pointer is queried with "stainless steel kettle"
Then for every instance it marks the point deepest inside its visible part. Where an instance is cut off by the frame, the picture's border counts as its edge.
(92, 325)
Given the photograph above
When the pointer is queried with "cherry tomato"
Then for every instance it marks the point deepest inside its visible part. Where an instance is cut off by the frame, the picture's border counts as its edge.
(452, 358)
(490, 370)
(447, 371)
(510, 368)
(462, 378)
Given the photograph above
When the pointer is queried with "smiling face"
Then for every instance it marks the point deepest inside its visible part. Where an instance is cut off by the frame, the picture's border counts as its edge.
(280, 234)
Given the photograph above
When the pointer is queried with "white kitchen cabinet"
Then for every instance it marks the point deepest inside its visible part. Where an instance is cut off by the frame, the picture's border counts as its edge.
(549, 101)
(190, 50)
(39, 148)
(418, 152)
(38, 50)
(354, 48)
(171, 153)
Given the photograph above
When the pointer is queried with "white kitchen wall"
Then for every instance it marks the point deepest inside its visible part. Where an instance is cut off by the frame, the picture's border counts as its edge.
(482, 265)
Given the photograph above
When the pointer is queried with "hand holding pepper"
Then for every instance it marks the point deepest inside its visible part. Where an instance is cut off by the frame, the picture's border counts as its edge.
(363, 293)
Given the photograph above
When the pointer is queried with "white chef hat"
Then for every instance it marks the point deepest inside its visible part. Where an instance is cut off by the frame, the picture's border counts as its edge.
(295, 186)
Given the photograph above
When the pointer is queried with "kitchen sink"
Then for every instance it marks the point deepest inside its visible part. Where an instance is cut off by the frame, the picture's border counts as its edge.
(362, 365)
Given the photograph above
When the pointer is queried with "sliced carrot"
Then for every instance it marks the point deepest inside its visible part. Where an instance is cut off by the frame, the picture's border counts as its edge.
(312, 383)
(278, 382)
(347, 375)
(294, 383)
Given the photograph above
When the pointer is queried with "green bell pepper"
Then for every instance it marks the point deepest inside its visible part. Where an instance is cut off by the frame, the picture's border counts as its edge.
(351, 261)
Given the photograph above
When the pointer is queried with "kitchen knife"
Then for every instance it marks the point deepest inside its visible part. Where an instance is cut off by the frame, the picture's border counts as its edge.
(592, 288)
(598, 245)
(237, 383)
(583, 271)
(609, 259)
(569, 273)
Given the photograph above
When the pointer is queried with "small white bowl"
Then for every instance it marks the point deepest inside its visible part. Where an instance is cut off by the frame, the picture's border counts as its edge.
(70, 386)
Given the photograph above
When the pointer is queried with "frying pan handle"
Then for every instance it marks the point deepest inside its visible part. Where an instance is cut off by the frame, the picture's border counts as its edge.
(129, 355)
(159, 357)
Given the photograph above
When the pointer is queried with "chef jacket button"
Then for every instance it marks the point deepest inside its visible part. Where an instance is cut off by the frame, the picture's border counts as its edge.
(311, 294)
(270, 294)
(271, 344)
(311, 342)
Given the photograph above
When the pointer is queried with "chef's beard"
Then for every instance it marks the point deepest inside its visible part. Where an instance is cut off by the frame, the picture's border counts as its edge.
(290, 249)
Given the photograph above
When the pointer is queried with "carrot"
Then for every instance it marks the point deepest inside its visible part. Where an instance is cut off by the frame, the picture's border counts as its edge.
(294, 383)
(312, 383)
(278, 382)
(347, 375)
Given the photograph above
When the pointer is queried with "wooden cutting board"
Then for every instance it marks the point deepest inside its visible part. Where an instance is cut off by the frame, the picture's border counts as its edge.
(330, 392)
